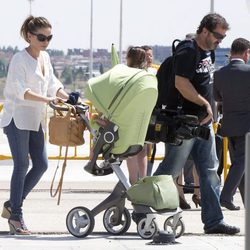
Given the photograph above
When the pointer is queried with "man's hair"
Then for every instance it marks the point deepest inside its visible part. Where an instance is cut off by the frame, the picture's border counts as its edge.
(239, 46)
(210, 22)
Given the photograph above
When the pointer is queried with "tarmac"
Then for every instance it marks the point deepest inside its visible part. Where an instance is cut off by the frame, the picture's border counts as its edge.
(47, 220)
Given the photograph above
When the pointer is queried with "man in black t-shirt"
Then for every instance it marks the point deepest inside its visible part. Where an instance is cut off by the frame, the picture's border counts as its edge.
(193, 81)
(197, 74)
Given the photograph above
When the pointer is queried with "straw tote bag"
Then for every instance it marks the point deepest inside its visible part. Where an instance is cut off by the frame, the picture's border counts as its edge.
(65, 130)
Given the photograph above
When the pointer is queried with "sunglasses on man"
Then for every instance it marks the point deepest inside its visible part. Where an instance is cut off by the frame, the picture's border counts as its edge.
(218, 35)
(41, 37)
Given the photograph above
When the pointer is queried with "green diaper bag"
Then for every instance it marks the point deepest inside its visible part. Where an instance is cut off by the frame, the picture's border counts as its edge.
(158, 192)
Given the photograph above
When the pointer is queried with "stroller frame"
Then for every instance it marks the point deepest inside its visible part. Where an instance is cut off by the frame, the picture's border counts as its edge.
(80, 220)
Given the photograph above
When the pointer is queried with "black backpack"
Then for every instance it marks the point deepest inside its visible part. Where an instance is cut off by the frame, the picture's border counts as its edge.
(164, 121)
(168, 95)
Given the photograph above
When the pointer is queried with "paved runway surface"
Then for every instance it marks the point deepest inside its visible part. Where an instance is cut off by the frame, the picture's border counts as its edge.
(46, 220)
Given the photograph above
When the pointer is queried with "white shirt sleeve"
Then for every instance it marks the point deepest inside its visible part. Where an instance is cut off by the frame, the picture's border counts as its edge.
(16, 76)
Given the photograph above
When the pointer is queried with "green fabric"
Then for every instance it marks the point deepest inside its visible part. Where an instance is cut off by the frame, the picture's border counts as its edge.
(158, 192)
(114, 56)
(132, 109)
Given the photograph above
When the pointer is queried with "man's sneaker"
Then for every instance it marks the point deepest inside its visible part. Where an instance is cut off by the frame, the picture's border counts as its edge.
(223, 228)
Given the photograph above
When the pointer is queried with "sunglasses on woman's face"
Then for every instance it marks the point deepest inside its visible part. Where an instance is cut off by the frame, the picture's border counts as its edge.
(42, 38)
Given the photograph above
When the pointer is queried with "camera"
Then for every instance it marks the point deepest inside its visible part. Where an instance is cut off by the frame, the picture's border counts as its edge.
(171, 126)
(188, 131)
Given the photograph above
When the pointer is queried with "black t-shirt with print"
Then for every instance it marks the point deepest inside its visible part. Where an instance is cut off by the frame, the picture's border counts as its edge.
(199, 74)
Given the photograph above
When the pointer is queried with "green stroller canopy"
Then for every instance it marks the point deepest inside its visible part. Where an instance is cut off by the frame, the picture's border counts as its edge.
(126, 96)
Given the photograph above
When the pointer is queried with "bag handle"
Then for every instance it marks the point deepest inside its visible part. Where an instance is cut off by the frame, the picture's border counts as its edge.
(59, 186)
(71, 110)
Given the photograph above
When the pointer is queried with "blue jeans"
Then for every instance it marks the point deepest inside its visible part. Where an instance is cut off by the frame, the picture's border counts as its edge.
(203, 153)
(22, 144)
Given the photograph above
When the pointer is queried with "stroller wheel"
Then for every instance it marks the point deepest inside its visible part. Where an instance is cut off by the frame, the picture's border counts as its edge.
(115, 222)
(178, 230)
(80, 222)
(146, 232)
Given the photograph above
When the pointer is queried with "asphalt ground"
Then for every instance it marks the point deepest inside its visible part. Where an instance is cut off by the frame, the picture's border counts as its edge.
(47, 220)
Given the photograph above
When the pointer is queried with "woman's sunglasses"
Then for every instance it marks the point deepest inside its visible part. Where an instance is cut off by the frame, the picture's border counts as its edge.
(41, 37)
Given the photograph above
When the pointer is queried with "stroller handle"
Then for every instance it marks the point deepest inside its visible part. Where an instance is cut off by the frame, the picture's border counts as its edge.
(80, 107)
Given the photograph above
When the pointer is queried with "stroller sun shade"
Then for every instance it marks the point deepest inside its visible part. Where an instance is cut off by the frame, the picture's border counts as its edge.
(125, 96)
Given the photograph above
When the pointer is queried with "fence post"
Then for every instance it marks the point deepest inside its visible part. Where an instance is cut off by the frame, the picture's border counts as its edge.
(247, 193)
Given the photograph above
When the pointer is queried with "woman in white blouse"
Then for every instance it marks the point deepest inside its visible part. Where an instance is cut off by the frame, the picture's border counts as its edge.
(30, 85)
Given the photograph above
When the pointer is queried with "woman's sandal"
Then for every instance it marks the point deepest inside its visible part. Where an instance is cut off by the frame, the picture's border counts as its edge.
(6, 212)
(18, 227)
(197, 200)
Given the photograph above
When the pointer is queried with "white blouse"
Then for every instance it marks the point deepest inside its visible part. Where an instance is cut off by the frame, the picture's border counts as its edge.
(25, 74)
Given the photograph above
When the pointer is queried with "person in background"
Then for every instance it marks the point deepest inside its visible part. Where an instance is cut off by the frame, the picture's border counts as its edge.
(151, 67)
(232, 89)
(193, 81)
(30, 85)
(137, 164)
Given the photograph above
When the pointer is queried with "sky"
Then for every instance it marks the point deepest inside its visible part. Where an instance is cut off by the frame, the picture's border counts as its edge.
(152, 22)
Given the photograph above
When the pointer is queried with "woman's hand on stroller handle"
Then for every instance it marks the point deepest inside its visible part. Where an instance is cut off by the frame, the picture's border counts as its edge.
(62, 105)
(55, 100)
(57, 105)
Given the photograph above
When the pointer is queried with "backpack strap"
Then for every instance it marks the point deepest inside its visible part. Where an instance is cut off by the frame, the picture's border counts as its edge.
(198, 52)
(174, 46)
(191, 43)
(213, 56)
(188, 43)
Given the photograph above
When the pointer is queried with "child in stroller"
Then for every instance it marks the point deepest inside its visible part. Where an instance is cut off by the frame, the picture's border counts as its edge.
(125, 97)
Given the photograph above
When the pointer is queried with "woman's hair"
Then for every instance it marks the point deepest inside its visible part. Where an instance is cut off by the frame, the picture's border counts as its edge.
(136, 57)
(32, 24)
(146, 47)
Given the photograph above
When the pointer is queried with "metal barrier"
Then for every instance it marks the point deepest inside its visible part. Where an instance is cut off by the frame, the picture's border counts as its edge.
(226, 166)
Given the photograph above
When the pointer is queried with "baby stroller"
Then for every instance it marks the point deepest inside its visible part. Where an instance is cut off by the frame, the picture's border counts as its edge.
(125, 97)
